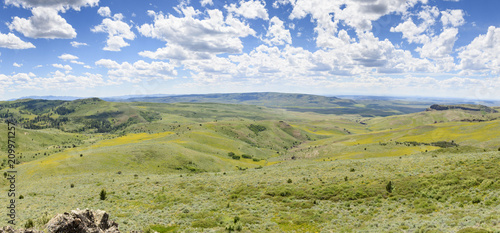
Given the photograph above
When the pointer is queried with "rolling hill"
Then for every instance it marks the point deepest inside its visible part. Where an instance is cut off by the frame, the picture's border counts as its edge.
(198, 167)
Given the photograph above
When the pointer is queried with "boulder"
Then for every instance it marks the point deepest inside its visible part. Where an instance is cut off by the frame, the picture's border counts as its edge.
(82, 221)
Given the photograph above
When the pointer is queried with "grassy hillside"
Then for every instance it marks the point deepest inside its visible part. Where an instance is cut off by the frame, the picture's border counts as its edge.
(428, 192)
(200, 167)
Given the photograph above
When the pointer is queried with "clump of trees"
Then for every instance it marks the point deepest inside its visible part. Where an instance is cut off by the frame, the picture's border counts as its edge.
(256, 128)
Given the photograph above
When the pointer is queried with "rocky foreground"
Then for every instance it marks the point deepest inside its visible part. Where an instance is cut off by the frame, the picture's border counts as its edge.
(78, 221)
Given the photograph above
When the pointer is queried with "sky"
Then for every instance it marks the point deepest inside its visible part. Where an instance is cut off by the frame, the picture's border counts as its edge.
(99, 48)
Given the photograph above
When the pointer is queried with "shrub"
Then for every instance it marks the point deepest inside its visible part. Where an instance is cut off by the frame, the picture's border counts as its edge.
(29, 224)
(42, 220)
(230, 154)
(246, 156)
(21, 197)
(256, 159)
(103, 195)
(289, 181)
(72, 185)
(257, 128)
(237, 157)
(389, 187)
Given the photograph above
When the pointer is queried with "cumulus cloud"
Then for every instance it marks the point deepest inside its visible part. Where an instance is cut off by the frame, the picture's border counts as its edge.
(67, 56)
(61, 66)
(117, 31)
(11, 41)
(483, 53)
(453, 18)
(45, 23)
(138, 71)
(104, 11)
(207, 2)
(440, 46)
(276, 33)
(252, 9)
(356, 14)
(17, 65)
(78, 44)
(60, 5)
(212, 33)
(56, 80)
(174, 51)
(77, 62)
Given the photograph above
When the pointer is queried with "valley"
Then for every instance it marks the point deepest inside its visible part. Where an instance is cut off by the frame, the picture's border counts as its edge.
(259, 162)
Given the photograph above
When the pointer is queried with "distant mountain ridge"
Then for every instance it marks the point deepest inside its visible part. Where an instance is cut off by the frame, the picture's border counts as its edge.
(269, 99)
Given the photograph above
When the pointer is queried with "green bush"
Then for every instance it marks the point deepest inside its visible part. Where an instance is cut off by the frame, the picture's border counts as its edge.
(389, 187)
(102, 195)
(257, 128)
(237, 157)
(29, 224)
(230, 154)
(246, 156)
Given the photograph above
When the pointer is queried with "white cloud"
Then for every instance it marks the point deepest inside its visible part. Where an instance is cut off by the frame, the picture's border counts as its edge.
(87, 66)
(66, 56)
(61, 66)
(77, 62)
(17, 65)
(174, 51)
(252, 9)
(107, 63)
(421, 33)
(45, 23)
(454, 18)
(212, 34)
(358, 14)
(60, 5)
(104, 11)
(482, 54)
(11, 41)
(276, 33)
(440, 46)
(137, 71)
(117, 31)
(206, 2)
(78, 44)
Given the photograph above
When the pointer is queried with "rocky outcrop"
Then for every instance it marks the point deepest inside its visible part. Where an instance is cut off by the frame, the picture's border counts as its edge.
(77, 221)
(82, 221)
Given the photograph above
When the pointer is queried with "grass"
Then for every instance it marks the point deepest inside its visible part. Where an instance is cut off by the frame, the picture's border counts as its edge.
(448, 192)
(169, 171)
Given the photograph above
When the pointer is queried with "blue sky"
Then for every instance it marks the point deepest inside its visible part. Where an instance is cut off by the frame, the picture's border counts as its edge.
(87, 48)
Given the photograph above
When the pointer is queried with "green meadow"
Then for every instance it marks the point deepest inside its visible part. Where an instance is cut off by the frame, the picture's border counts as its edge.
(219, 167)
